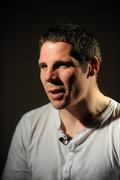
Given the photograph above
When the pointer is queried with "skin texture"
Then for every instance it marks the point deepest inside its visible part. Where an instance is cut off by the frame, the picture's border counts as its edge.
(71, 88)
(62, 76)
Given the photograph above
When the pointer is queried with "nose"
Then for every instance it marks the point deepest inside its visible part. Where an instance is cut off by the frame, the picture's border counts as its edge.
(50, 75)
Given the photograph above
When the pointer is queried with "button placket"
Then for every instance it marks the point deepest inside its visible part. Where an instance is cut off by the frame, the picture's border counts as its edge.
(69, 160)
(66, 172)
(71, 147)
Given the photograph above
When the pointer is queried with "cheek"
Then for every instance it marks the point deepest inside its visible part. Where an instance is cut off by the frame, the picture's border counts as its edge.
(68, 78)
(41, 76)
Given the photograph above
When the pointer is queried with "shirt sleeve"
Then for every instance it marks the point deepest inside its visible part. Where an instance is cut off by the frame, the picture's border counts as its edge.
(16, 167)
(115, 134)
(117, 144)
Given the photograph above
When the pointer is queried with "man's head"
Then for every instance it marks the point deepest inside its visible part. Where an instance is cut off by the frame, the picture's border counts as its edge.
(69, 61)
(84, 44)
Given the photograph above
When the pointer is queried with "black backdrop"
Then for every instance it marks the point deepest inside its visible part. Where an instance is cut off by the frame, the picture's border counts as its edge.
(21, 25)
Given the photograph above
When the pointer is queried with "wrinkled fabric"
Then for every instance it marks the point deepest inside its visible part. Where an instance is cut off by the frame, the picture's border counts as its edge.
(37, 154)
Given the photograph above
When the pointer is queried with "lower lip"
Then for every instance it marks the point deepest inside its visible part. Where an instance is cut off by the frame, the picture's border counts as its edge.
(56, 96)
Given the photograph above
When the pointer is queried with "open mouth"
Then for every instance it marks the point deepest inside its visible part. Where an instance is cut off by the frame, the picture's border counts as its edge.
(55, 91)
(56, 94)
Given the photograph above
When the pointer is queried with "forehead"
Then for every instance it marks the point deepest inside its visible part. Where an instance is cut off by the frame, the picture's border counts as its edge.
(54, 50)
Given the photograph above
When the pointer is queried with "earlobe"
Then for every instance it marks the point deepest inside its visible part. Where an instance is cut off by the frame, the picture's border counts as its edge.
(93, 67)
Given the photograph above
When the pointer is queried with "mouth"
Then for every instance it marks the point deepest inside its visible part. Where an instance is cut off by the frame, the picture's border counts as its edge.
(56, 94)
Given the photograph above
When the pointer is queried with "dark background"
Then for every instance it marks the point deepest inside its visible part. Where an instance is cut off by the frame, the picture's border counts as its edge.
(21, 25)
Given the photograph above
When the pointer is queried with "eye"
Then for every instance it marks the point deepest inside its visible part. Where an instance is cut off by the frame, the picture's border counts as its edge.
(42, 65)
(63, 65)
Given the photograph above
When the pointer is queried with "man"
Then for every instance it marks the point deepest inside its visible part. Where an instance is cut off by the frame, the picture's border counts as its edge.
(77, 135)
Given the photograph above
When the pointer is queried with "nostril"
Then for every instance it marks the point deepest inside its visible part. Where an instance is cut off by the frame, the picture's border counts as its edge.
(56, 81)
(50, 75)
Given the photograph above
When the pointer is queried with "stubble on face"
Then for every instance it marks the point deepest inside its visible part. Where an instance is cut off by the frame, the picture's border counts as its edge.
(66, 78)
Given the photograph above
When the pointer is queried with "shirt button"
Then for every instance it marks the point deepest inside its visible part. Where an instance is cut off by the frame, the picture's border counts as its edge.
(66, 172)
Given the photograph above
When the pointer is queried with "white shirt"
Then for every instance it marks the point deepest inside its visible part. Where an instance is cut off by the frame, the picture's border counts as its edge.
(37, 154)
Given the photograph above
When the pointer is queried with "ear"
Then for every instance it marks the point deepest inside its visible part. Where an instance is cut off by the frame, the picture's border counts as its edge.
(94, 66)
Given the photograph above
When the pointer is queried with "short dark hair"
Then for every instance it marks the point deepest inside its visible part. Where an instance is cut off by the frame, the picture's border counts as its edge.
(84, 44)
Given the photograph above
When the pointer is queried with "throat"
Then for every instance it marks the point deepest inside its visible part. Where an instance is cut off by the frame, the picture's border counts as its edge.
(75, 120)
(71, 127)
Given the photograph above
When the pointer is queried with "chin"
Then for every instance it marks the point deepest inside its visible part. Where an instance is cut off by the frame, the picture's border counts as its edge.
(59, 105)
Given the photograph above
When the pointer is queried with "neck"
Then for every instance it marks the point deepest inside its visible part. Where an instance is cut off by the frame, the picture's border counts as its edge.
(82, 114)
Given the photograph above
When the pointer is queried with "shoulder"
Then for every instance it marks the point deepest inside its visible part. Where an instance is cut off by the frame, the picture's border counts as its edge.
(38, 114)
(113, 110)
(34, 121)
(114, 123)
(116, 105)
(32, 118)
(111, 120)
(39, 111)
(114, 113)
